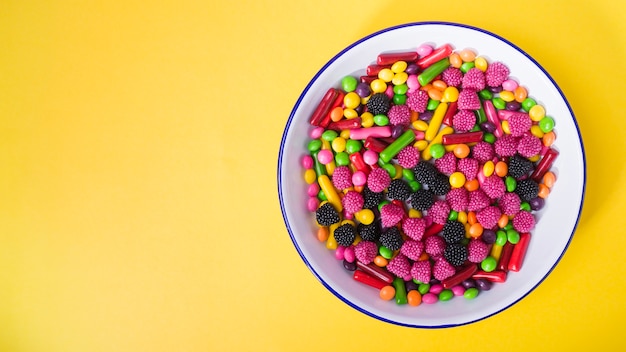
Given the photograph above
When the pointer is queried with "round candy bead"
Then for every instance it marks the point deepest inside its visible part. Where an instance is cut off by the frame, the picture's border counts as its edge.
(316, 132)
(466, 66)
(414, 298)
(353, 146)
(471, 293)
(350, 113)
(524, 206)
(446, 295)
(461, 151)
(385, 252)
(520, 94)
(387, 293)
(509, 85)
(399, 66)
(351, 100)
(313, 189)
(437, 150)
(381, 120)
(350, 266)
(386, 75)
(537, 112)
(345, 134)
(430, 298)
(399, 99)
(489, 264)
(481, 63)
(488, 168)
(436, 288)
(500, 238)
(536, 131)
(325, 156)
(399, 78)
(314, 145)
(467, 55)
(499, 103)
(363, 90)
(349, 83)
(483, 285)
(415, 186)
(510, 183)
(370, 157)
(458, 290)
(307, 162)
(423, 288)
(329, 135)
(359, 178)
(378, 86)
(312, 204)
(485, 94)
(536, 203)
(489, 137)
(367, 120)
(450, 94)
(424, 50)
(400, 89)
(338, 144)
(513, 106)
(457, 179)
(432, 104)
(512, 236)
(528, 103)
(412, 83)
(546, 124)
(342, 159)
(507, 96)
(321, 196)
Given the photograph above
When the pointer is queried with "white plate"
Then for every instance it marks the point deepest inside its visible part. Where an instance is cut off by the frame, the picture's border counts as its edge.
(556, 221)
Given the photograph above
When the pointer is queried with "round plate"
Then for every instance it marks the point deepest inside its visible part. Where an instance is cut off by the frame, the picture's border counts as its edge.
(556, 222)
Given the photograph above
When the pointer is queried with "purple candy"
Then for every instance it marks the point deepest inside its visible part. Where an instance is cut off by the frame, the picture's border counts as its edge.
(537, 203)
(363, 90)
(426, 115)
(468, 283)
(396, 131)
(513, 106)
(489, 236)
(349, 266)
(483, 285)
(497, 89)
(411, 69)
(487, 127)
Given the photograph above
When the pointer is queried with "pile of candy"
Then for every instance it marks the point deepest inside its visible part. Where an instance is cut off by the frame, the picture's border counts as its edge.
(424, 174)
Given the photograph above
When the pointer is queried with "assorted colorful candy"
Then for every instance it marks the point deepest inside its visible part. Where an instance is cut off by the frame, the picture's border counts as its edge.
(424, 174)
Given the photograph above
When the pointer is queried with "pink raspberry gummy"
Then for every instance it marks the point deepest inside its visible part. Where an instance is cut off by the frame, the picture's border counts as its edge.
(399, 266)
(463, 120)
(493, 186)
(446, 164)
(506, 145)
(489, 216)
(412, 249)
(439, 212)
(408, 157)
(477, 250)
(529, 145)
(509, 203)
(352, 202)
(468, 100)
(523, 221)
(417, 100)
(442, 269)
(473, 79)
(469, 168)
(452, 76)
(421, 270)
(434, 246)
(519, 124)
(391, 214)
(399, 115)
(342, 177)
(483, 151)
(366, 251)
(496, 73)
(377, 180)
(414, 228)
(458, 199)
(477, 200)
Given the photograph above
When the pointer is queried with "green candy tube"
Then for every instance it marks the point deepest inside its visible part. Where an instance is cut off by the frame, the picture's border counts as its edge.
(398, 284)
(318, 167)
(433, 71)
(394, 148)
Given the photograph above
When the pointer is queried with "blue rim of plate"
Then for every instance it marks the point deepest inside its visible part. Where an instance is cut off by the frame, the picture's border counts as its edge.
(341, 53)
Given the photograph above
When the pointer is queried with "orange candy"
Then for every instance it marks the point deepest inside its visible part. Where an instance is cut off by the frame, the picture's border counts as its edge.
(336, 114)
(461, 151)
(387, 293)
(414, 298)
(502, 169)
(471, 218)
(323, 233)
(544, 191)
(435, 94)
(475, 230)
(549, 179)
(439, 85)
(520, 94)
(472, 185)
(455, 60)
(548, 138)
(503, 221)
(380, 261)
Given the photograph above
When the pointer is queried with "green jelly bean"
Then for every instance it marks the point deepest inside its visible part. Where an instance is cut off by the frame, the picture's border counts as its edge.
(437, 150)
(485, 94)
(349, 83)
(546, 124)
(319, 168)
(501, 238)
(524, 206)
(499, 103)
(391, 170)
(489, 264)
(489, 137)
(342, 159)
(466, 66)
(512, 236)
(381, 120)
(528, 103)
(400, 89)
(453, 215)
(415, 186)
(329, 135)
(321, 196)
(396, 146)
(385, 252)
(480, 116)
(471, 293)
(508, 226)
(423, 288)
(433, 71)
(511, 183)
(399, 99)
(353, 146)
(432, 104)
(446, 295)
(408, 174)
(398, 284)
(315, 145)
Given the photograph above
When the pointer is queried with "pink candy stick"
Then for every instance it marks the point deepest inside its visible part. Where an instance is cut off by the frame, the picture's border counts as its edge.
(506, 114)
(375, 132)
(492, 116)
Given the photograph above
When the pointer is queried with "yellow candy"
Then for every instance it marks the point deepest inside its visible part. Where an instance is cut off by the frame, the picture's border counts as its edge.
(399, 78)
(345, 134)
(364, 100)
(488, 168)
(534, 158)
(462, 217)
(537, 112)
(536, 131)
(350, 113)
(364, 216)
(330, 168)
(329, 190)
(457, 179)
(310, 176)
(398, 171)
(367, 119)
(481, 63)
(399, 66)
(496, 250)
(351, 100)
(420, 125)
(437, 140)
(339, 144)
(386, 75)
(507, 96)
(378, 86)
(421, 145)
(435, 121)
(414, 213)
(450, 95)
(505, 127)
(331, 242)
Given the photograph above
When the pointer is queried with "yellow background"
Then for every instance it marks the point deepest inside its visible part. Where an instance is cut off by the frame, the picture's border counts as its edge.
(138, 205)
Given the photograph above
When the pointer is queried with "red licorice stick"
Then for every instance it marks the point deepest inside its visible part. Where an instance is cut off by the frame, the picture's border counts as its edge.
(436, 55)
(505, 257)
(465, 137)
(506, 114)
(369, 280)
(390, 58)
(544, 164)
(373, 70)
(519, 252)
(345, 124)
(376, 272)
(375, 144)
(357, 160)
(324, 107)
(367, 79)
(461, 275)
(447, 118)
(492, 116)
(433, 230)
(493, 276)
